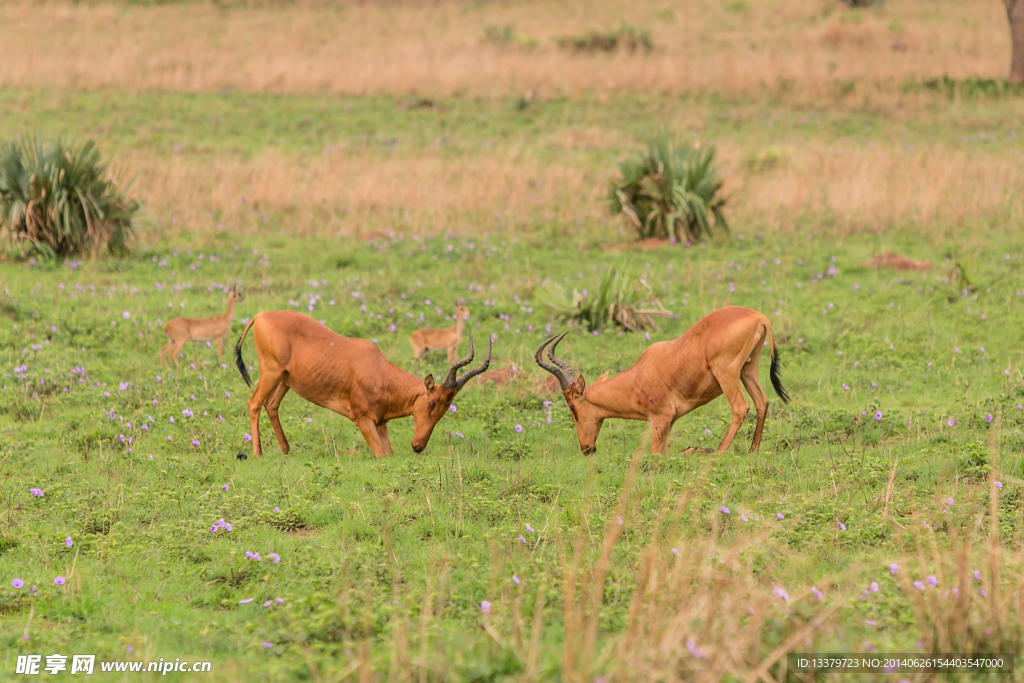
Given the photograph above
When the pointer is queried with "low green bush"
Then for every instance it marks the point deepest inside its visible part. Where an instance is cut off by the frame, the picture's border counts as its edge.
(56, 199)
(625, 37)
(620, 300)
(671, 190)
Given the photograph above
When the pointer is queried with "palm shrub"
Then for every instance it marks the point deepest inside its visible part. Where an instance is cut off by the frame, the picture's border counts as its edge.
(620, 300)
(56, 199)
(671, 191)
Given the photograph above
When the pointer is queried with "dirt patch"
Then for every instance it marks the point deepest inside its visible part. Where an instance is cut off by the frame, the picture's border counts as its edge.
(500, 377)
(897, 262)
(643, 245)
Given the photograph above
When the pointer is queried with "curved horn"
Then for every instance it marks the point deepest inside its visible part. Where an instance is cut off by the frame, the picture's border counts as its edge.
(563, 380)
(461, 382)
(452, 381)
(561, 363)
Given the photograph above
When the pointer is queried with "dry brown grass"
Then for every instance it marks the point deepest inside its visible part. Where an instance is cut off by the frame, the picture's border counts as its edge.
(714, 603)
(844, 187)
(439, 48)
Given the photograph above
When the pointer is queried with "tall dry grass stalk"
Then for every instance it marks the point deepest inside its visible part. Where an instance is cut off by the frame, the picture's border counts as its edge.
(844, 188)
(705, 599)
(440, 49)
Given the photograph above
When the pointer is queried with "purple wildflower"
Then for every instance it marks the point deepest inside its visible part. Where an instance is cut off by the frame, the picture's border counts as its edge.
(691, 645)
(275, 557)
(780, 516)
(918, 585)
(724, 510)
(780, 594)
(17, 583)
(998, 485)
(486, 607)
(893, 568)
(519, 428)
(932, 581)
(818, 593)
(58, 581)
(873, 586)
(68, 542)
(842, 527)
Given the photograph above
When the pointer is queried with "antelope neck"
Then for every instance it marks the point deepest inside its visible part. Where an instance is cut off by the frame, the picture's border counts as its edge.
(613, 397)
(404, 389)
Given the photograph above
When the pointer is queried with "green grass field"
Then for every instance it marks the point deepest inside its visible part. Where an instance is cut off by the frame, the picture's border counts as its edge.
(906, 392)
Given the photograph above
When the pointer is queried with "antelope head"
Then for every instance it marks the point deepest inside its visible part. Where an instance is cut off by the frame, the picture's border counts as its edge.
(432, 405)
(235, 294)
(588, 421)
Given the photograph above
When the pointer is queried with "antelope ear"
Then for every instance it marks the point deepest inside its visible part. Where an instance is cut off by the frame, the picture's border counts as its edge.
(428, 382)
(602, 377)
(576, 389)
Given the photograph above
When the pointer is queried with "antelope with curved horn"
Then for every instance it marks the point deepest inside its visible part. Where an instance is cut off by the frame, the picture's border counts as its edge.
(183, 330)
(712, 358)
(349, 376)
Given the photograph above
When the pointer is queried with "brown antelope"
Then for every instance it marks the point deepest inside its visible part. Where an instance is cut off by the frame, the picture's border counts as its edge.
(183, 330)
(349, 376)
(672, 378)
(449, 338)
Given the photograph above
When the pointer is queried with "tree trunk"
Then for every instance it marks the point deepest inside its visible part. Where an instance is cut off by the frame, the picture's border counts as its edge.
(1015, 13)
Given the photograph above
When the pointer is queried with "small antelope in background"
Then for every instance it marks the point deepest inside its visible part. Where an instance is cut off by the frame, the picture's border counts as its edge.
(449, 338)
(348, 376)
(183, 330)
(712, 358)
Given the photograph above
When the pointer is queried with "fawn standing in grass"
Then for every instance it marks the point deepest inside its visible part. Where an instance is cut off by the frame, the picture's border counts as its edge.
(449, 338)
(183, 330)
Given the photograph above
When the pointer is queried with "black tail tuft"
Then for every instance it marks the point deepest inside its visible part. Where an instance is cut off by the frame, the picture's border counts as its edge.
(240, 364)
(777, 378)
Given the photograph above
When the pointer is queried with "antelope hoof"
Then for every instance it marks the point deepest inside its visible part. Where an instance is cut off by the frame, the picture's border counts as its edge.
(694, 449)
